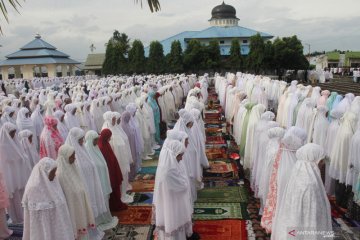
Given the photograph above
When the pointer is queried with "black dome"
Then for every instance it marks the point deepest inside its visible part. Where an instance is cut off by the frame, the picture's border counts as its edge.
(223, 11)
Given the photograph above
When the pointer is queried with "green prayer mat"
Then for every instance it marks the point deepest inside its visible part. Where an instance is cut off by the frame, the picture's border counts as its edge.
(215, 211)
(223, 194)
(130, 232)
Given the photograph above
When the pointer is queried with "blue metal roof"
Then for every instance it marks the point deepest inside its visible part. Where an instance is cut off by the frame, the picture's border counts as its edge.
(37, 61)
(228, 32)
(37, 53)
(38, 43)
(212, 33)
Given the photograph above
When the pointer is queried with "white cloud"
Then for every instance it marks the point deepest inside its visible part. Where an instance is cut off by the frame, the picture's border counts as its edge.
(73, 26)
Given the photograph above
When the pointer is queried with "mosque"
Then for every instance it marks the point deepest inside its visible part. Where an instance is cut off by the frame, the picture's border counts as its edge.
(224, 27)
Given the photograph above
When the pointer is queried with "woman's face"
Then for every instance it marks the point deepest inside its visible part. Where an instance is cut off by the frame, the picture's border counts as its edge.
(30, 138)
(72, 158)
(52, 174)
(11, 114)
(81, 141)
(62, 118)
(12, 133)
(113, 121)
(179, 157)
(73, 111)
(118, 121)
(186, 142)
(95, 141)
(189, 125)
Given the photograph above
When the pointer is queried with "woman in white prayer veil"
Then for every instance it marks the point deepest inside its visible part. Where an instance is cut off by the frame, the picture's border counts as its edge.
(105, 221)
(15, 167)
(70, 118)
(96, 115)
(88, 120)
(64, 131)
(353, 162)
(345, 104)
(284, 162)
(77, 195)
(301, 113)
(27, 141)
(329, 144)
(199, 134)
(23, 121)
(88, 171)
(259, 141)
(122, 152)
(238, 120)
(150, 119)
(145, 129)
(37, 120)
(255, 116)
(8, 115)
(275, 135)
(131, 108)
(340, 153)
(172, 209)
(315, 94)
(305, 205)
(319, 126)
(193, 164)
(46, 212)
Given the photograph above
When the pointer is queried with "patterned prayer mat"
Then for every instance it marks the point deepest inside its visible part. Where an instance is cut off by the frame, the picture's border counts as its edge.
(215, 140)
(223, 194)
(221, 229)
(143, 186)
(142, 199)
(221, 183)
(135, 215)
(220, 170)
(148, 170)
(140, 177)
(215, 153)
(216, 211)
(133, 232)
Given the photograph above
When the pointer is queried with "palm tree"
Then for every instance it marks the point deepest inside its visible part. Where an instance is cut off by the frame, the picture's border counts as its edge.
(154, 6)
(13, 3)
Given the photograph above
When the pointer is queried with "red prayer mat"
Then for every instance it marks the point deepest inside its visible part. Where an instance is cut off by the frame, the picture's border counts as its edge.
(143, 186)
(135, 215)
(221, 229)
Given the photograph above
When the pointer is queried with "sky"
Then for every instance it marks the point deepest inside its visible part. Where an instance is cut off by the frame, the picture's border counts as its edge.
(73, 25)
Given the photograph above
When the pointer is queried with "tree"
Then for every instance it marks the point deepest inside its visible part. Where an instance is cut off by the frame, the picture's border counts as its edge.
(154, 5)
(175, 58)
(137, 58)
(194, 56)
(110, 65)
(213, 56)
(155, 63)
(288, 54)
(256, 54)
(117, 51)
(268, 62)
(235, 59)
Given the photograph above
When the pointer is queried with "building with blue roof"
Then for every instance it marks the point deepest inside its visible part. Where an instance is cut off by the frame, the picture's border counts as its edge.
(37, 55)
(224, 28)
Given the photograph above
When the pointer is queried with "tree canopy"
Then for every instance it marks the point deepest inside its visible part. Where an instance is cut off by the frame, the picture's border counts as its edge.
(137, 58)
(175, 58)
(156, 60)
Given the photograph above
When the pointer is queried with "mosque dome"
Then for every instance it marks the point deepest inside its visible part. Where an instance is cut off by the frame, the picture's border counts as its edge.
(223, 11)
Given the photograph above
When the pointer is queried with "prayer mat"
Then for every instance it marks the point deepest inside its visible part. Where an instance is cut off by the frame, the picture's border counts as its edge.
(140, 177)
(221, 229)
(219, 170)
(216, 211)
(143, 186)
(221, 183)
(215, 153)
(133, 232)
(142, 199)
(148, 170)
(150, 163)
(223, 195)
(213, 121)
(135, 215)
